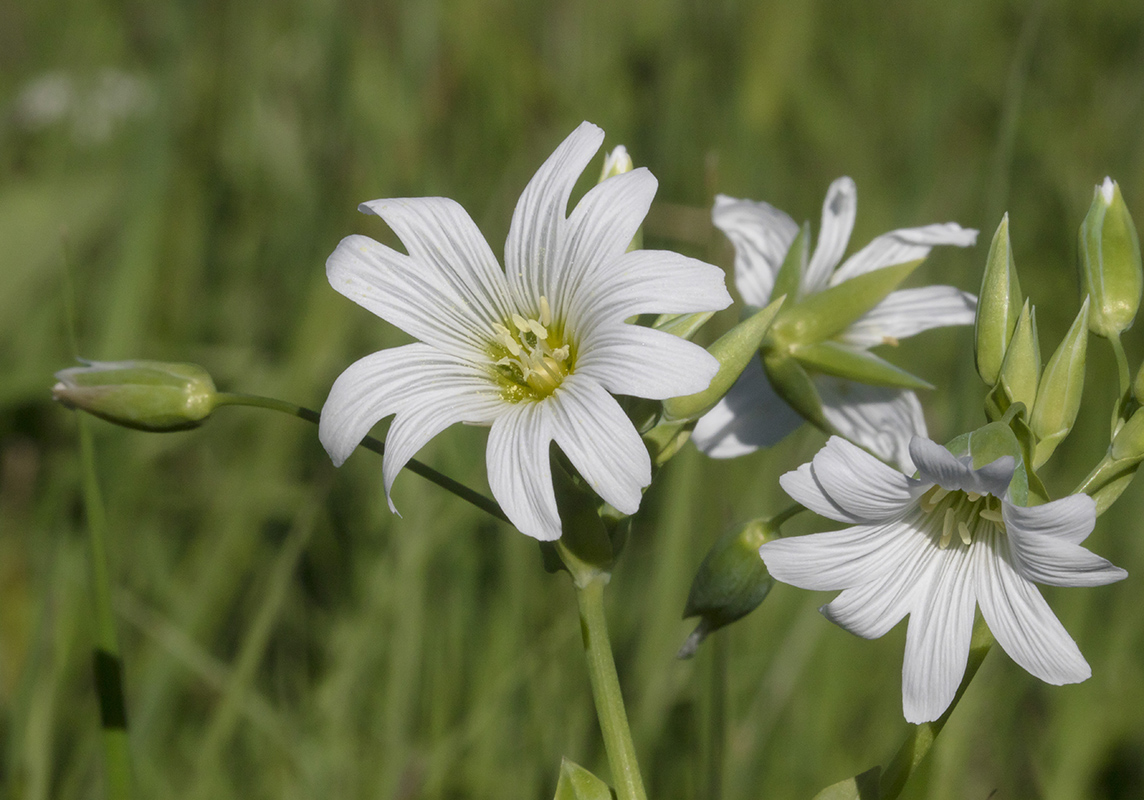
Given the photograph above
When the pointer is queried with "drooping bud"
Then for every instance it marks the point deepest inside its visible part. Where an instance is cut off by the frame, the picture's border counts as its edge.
(731, 581)
(145, 395)
(1021, 368)
(1060, 389)
(998, 306)
(1109, 262)
(734, 350)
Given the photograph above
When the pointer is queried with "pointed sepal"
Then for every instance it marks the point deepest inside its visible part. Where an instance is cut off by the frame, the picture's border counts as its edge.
(1021, 368)
(1060, 389)
(998, 306)
(856, 364)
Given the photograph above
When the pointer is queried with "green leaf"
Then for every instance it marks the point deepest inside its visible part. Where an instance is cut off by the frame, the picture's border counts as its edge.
(856, 364)
(828, 313)
(860, 787)
(577, 783)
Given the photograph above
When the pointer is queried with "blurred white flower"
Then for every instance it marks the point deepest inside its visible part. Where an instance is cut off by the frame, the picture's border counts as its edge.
(881, 418)
(533, 350)
(93, 108)
(935, 547)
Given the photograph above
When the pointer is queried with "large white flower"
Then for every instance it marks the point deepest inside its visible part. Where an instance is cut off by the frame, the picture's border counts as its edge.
(533, 350)
(935, 547)
(752, 415)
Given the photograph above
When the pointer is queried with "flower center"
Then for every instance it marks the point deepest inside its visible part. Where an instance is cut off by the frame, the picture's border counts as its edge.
(530, 355)
(961, 512)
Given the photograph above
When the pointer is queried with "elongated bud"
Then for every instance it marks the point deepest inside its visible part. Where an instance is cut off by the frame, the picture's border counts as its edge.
(1060, 389)
(731, 581)
(1022, 365)
(1109, 262)
(998, 306)
(734, 350)
(145, 395)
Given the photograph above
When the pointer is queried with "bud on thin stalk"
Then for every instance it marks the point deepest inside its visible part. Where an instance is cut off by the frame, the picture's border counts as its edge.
(1109, 264)
(145, 395)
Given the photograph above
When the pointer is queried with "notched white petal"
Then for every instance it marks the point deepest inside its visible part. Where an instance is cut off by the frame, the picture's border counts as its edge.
(642, 362)
(838, 212)
(900, 246)
(520, 473)
(1042, 543)
(751, 415)
(862, 485)
(761, 235)
(910, 311)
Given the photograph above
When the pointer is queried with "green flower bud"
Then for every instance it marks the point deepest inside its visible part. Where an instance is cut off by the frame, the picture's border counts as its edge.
(731, 581)
(998, 306)
(1060, 389)
(145, 395)
(1022, 365)
(1109, 262)
(734, 350)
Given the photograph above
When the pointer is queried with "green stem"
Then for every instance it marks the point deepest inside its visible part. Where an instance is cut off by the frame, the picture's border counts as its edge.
(919, 741)
(717, 718)
(1125, 383)
(781, 518)
(589, 580)
(486, 504)
(106, 661)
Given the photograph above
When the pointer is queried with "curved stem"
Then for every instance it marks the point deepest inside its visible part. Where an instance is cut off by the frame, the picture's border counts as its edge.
(486, 504)
(1125, 383)
(606, 689)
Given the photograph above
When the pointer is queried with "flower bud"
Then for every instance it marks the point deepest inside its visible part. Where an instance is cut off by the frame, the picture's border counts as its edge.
(998, 306)
(1060, 389)
(731, 581)
(1022, 365)
(1109, 262)
(734, 350)
(145, 395)
(616, 162)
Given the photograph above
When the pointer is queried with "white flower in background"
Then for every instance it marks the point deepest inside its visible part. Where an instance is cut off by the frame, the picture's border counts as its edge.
(533, 350)
(934, 548)
(95, 106)
(752, 415)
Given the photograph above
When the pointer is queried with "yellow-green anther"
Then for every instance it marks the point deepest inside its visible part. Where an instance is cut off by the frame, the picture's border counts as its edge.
(145, 395)
(734, 350)
(998, 306)
(856, 364)
(1109, 262)
(1022, 365)
(731, 581)
(1060, 389)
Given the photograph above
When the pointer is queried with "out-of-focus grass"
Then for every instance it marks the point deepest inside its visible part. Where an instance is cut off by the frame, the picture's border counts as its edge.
(285, 636)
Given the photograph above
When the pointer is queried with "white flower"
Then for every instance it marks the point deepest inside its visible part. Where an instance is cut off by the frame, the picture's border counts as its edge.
(935, 547)
(883, 419)
(533, 350)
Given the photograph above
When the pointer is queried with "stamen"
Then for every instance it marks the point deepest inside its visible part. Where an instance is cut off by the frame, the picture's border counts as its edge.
(973, 496)
(963, 529)
(528, 356)
(947, 528)
(520, 322)
(545, 312)
(538, 329)
(991, 515)
(931, 498)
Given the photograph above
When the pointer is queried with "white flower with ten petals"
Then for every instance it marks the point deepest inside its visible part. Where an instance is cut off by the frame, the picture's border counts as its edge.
(883, 419)
(532, 350)
(935, 547)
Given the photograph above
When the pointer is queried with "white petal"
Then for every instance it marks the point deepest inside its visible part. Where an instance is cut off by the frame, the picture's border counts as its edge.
(427, 415)
(909, 311)
(641, 362)
(520, 473)
(860, 485)
(937, 465)
(748, 417)
(838, 559)
(900, 246)
(937, 639)
(880, 418)
(838, 212)
(1042, 543)
(405, 292)
(390, 381)
(1021, 620)
(649, 281)
(761, 235)
(872, 609)
(445, 243)
(600, 441)
(538, 222)
(596, 235)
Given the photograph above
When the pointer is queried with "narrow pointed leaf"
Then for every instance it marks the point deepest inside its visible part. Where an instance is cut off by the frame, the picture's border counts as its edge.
(856, 364)
(860, 787)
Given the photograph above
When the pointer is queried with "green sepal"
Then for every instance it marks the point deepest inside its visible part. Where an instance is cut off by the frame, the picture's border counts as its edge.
(584, 548)
(155, 396)
(788, 280)
(1021, 368)
(997, 440)
(733, 350)
(998, 306)
(792, 383)
(1060, 389)
(682, 325)
(856, 364)
(577, 783)
(861, 787)
(665, 440)
(826, 314)
(731, 581)
(1108, 262)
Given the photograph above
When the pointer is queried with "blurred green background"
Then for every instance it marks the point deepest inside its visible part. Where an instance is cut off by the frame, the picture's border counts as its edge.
(193, 164)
